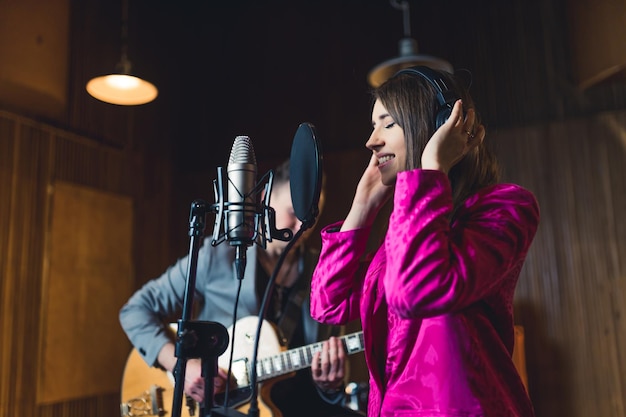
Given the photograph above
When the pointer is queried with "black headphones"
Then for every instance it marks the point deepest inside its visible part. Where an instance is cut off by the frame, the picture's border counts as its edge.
(445, 96)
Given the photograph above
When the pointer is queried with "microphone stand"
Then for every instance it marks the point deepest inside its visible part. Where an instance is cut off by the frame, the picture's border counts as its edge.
(184, 339)
(200, 339)
(253, 411)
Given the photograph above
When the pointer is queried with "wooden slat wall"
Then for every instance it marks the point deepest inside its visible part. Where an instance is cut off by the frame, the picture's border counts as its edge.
(572, 294)
(32, 156)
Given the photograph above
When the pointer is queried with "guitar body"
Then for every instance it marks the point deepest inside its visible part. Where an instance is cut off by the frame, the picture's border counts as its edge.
(150, 391)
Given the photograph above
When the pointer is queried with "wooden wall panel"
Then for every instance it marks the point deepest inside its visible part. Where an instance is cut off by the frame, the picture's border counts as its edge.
(89, 277)
(571, 294)
(7, 150)
(23, 257)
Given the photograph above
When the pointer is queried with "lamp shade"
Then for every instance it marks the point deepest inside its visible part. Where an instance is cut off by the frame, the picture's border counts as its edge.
(408, 58)
(122, 89)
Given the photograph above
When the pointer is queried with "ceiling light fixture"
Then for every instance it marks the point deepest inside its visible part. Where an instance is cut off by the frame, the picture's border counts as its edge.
(122, 87)
(408, 53)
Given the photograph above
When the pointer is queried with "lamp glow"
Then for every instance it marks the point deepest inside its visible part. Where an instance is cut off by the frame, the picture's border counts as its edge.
(123, 82)
(122, 89)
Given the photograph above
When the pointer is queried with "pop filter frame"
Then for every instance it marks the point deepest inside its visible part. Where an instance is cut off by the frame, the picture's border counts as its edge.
(305, 174)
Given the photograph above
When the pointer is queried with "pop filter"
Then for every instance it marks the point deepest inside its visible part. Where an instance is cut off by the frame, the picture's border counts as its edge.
(305, 172)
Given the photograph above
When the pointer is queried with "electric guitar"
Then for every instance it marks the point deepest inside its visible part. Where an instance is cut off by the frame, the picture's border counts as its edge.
(149, 391)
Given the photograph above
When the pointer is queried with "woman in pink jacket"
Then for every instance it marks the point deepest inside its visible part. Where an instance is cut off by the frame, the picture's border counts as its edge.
(435, 300)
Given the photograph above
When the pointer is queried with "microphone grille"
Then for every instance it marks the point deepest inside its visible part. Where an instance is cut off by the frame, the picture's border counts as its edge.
(242, 151)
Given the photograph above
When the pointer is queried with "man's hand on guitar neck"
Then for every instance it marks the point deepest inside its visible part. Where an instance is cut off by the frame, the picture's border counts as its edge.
(328, 365)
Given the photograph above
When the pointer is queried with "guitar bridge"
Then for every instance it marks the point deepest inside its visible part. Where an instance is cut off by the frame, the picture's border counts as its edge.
(150, 403)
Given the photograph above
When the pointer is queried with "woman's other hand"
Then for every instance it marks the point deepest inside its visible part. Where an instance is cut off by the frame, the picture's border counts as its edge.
(453, 140)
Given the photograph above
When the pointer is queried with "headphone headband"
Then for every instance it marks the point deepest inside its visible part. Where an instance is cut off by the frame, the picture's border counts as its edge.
(446, 97)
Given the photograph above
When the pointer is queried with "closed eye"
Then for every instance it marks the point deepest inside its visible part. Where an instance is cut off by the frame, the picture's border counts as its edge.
(390, 125)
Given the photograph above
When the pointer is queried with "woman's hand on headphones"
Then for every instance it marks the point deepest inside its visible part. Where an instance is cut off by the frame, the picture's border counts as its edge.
(453, 140)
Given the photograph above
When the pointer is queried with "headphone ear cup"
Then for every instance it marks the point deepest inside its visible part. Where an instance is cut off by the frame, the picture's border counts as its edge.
(442, 115)
(445, 96)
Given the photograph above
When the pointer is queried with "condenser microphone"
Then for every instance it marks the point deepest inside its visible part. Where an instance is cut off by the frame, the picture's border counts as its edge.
(241, 206)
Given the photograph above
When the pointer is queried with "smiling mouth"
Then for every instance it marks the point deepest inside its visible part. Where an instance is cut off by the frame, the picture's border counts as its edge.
(384, 159)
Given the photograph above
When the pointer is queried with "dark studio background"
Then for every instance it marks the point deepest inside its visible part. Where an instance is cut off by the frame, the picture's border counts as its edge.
(260, 68)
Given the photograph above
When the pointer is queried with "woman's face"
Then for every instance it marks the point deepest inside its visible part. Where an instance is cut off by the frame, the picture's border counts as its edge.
(387, 144)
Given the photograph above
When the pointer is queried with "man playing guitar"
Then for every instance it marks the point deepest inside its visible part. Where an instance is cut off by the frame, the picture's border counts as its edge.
(317, 391)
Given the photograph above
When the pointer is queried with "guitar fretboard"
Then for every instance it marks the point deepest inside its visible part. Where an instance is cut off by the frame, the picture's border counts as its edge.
(302, 357)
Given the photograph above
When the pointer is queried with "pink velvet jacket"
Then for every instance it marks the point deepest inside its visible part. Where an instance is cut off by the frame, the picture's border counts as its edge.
(435, 301)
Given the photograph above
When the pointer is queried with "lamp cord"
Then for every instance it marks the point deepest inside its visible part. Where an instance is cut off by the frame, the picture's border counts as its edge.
(124, 39)
(406, 15)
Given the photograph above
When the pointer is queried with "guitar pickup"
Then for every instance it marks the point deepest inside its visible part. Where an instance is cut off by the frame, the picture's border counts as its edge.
(241, 393)
(240, 370)
(156, 394)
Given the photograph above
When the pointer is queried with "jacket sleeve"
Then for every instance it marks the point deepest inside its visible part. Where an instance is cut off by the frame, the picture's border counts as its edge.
(338, 277)
(435, 266)
(143, 317)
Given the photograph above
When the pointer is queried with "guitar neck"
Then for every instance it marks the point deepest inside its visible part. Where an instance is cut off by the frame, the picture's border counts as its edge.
(302, 357)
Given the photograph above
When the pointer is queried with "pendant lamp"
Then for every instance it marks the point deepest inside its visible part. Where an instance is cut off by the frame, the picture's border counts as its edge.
(408, 53)
(121, 87)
